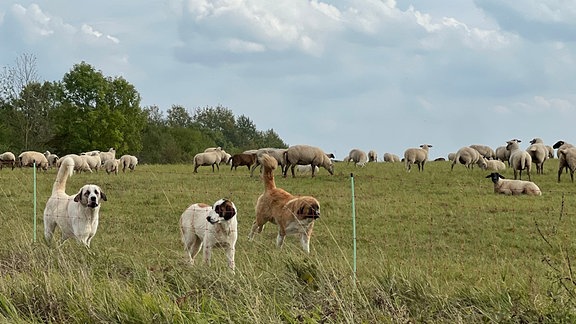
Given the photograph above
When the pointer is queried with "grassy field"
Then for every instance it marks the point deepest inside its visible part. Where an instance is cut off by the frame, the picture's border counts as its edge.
(436, 246)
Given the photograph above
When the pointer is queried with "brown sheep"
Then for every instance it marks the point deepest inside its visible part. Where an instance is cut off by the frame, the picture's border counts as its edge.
(242, 159)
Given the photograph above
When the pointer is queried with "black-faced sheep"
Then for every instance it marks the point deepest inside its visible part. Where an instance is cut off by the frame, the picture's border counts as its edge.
(212, 158)
(561, 159)
(358, 156)
(241, 159)
(416, 156)
(52, 158)
(28, 158)
(306, 154)
(567, 157)
(513, 187)
(467, 156)
(519, 160)
(7, 158)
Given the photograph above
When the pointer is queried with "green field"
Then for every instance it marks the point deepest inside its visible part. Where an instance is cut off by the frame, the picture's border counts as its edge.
(436, 246)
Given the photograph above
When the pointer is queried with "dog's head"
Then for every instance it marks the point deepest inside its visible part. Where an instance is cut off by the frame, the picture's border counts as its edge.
(306, 208)
(223, 210)
(90, 196)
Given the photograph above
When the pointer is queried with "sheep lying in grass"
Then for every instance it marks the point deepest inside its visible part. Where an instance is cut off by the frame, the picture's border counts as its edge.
(491, 165)
(28, 158)
(372, 156)
(306, 154)
(416, 156)
(519, 160)
(513, 187)
(358, 156)
(389, 157)
(212, 158)
(7, 158)
(539, 154)
(467, 156)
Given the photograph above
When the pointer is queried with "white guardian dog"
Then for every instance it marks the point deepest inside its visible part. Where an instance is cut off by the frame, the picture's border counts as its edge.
(76, 216)
(210, 226)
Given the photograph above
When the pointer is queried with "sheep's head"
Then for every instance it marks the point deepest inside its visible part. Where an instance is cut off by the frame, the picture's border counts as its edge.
(495, 176)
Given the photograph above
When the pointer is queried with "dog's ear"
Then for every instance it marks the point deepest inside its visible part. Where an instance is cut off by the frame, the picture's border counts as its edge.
(103, 196)
(78, 197)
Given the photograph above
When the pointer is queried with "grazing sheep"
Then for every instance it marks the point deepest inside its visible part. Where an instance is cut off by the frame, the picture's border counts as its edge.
(7, 158)
(276, 153)
(112, 166)
(484, 150)
(28, 158)
(451, 156)
(227, 158)
(212, 158)
(241, 159)
(467, 156)
(306, 154)
(358, 156)
(502, 154)
(416, 156)
(561, 160)
(105, 156)
(79, 163)
(372, 156)
(568, 158)
(491, 165)
(539, 154)
(223, 154)
(93, 161)
(389, 157)
(52, 158)
(513, 187)
(128, 161)
(519, 160)
(550, 151)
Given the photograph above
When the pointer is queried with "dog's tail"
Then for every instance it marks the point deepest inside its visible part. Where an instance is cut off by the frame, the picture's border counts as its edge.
(269, 164)
(66, 170)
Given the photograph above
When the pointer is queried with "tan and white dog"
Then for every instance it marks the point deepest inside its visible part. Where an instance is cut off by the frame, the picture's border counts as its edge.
(292, 214)
(76, 216)
(210, 226)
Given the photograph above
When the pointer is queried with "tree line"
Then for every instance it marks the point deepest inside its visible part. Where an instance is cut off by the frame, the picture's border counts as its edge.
(87, 110)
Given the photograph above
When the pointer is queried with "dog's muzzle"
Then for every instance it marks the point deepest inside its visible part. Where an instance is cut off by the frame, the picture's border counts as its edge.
(210, 220)
(93, 203)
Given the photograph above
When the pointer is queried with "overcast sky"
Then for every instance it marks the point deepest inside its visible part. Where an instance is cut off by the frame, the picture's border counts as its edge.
(339, 74)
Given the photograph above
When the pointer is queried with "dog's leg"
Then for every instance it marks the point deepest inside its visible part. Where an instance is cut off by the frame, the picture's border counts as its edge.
(207, 253)
(280, 239)
(49, 227)
(230, 251)
(305, 240)
(193, 247)
(256, 228)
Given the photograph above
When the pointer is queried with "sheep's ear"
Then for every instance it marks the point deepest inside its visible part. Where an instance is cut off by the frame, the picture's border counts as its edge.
(501, 176)
(489, 176)
(78, 197)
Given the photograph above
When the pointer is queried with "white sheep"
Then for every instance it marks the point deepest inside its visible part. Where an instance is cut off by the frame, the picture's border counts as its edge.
(358, 156)
(105, 156)
(306, 168)
(128, 161)
(7, 158)
(372, 156)
(276, 153)
(28, 158)
(484, 150)
(79, 163)
(111, 166)
(568, 157)
(451, 156)
(561, 160)
(95, 152)
(389, 157)
(519, 159)
(223, 154)
(492, 165)
(93, 161)
(212, 158)
(416, 156)
(513, 187)
(467, 156)
(306, 154)
(539, 154)
(502, 154)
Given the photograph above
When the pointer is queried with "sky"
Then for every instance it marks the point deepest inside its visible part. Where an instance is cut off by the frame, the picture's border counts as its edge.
(339, 74)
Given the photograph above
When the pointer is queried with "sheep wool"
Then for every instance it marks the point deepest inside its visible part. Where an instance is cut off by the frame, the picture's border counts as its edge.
(513, 187)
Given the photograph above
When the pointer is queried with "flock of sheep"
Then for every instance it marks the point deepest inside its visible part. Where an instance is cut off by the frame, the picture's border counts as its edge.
(86, 161)
(306, 158)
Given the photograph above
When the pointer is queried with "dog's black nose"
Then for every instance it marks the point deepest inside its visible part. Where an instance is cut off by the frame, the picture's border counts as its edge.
(93, 198)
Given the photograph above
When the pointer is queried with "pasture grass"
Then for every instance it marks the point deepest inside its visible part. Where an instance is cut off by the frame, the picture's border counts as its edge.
(434, 246)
